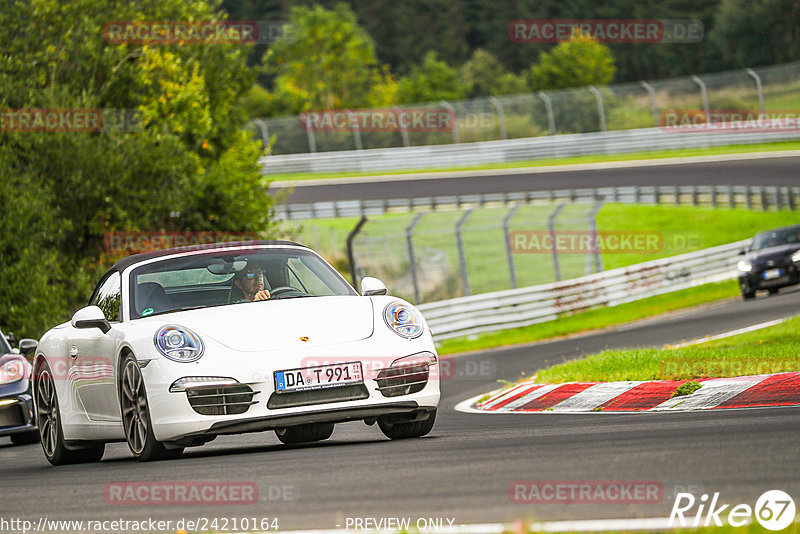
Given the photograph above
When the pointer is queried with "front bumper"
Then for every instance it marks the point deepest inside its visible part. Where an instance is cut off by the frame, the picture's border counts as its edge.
(755, 279)
(16, 414)
(174, 419)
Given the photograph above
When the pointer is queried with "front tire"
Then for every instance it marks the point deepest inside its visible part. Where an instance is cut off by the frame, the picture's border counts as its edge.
(136, 417)
(412, 429)
(48, 419)
(293, 435)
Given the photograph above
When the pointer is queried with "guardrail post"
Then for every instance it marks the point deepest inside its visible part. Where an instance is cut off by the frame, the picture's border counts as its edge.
(351, 258)
(501, 116)
(548, 106)
(694, 195)
(731, 197)
(601, 110)
(264, 129)
(791, 198)
(677, 195)
(551, 227)
(653, 101)
(713, 196)
(462, 257)
(748, 197)
(704, 94)
(512, 269)
(595, 251)
(778, 199)
(445, 104)
(764, 203)
(411, 257)
(312, 143)
(759, 88)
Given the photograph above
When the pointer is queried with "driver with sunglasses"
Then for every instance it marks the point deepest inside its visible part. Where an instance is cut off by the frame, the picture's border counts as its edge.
(250, 282)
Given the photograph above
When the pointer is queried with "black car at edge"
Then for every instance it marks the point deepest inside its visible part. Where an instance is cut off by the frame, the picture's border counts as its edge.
(772, 261)
(16, 400)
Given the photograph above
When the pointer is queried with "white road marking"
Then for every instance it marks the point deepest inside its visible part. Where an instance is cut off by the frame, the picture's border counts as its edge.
(729, 333)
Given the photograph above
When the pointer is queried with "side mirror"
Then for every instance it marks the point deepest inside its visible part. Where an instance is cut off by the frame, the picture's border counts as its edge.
(90, 317)
(11, 338)
(27, 346)
(372, 286)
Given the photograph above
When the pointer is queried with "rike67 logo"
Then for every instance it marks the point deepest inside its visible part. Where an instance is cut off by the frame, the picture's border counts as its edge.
(774, 510)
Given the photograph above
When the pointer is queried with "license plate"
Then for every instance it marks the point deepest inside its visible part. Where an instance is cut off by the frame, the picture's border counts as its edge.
(771, 273)
(322, 376)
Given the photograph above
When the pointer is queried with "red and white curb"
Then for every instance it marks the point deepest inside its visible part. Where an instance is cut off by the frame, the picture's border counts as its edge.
(781, 389)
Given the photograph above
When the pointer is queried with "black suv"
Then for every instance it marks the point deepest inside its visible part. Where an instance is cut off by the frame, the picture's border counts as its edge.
(771, 262)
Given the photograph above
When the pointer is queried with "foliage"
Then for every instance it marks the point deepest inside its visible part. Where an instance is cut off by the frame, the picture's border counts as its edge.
(579, 62)
(431, 81)
(484, 75)
(184, 164)
(327, 61)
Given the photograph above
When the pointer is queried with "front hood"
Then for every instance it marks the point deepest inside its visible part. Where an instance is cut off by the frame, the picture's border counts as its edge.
(779, 255)
(280, 324)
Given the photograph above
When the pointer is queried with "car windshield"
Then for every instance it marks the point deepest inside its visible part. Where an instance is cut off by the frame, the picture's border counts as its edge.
(776, 238)
(221, 278)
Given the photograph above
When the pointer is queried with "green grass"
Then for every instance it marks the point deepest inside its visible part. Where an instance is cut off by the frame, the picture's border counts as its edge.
(594, 319)
(770, 350)
(787, 103)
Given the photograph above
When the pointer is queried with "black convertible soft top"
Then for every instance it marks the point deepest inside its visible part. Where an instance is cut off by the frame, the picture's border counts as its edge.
(127, 261)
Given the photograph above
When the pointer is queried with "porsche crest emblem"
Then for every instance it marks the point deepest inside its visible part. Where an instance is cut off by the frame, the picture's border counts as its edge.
(303, 338)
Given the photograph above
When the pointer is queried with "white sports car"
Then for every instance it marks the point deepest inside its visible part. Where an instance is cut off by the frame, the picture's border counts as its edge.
(179, 346)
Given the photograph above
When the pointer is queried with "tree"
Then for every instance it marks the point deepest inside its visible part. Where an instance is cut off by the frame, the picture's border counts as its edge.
(184, 164)
(431, 81)
(579, 62)
(484, 75)
(326, 61)
(755, 33)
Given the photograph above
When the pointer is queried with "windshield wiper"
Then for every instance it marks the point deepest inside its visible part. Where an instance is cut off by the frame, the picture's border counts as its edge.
(185, 308)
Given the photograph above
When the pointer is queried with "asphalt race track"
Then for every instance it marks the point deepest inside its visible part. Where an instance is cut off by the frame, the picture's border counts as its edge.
(464, 468)
(766, 171)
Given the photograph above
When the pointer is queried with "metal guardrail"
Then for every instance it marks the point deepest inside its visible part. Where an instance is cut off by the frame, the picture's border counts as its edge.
(557, 146)
(522, 307)
(731, 196)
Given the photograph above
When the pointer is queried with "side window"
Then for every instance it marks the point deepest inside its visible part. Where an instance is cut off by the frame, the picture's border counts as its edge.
(108, 297)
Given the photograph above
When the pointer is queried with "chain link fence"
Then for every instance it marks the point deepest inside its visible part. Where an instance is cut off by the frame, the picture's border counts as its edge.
(583, 110)
(432, 256)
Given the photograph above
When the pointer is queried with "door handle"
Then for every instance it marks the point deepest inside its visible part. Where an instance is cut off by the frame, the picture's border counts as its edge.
(73, 351)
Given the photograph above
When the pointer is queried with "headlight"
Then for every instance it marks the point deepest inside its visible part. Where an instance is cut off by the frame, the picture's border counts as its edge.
(12, 371)
(745, 266)
(178, 343)
(404, 319)
(796, 257)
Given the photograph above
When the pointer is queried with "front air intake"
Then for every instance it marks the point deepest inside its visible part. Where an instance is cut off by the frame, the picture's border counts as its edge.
(221, 400)
(403, 379)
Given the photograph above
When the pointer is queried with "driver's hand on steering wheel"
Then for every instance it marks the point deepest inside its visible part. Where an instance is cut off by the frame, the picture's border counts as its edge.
(261, 295)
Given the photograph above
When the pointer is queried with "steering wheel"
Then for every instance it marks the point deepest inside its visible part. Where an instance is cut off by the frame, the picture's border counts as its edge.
(280, 290)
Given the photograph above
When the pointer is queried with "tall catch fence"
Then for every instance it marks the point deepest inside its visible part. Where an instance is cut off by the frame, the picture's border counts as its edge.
(432, 256)
(590, 109)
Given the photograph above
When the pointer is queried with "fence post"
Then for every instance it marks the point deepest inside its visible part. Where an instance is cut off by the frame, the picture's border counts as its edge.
(462, 257)
(653, 101)
(704, 94)
(548, 105)
(411, 258)
(601, 110)
(551, 227)
(264, 129)
(312, 143)
(356, 130)
(445, 104)
(403, 129)
(512, 270)
(594, 253)
(351, 258)
(731, 197)
(501, 116)
(759, 88)
(748, 197)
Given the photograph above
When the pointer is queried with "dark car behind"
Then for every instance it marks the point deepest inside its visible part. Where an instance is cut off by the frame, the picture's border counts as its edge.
(16, 401)
(771, 262)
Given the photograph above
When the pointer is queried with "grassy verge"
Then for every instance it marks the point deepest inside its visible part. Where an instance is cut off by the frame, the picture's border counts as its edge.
(543, 162)
(771, 350)
(594, 319)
